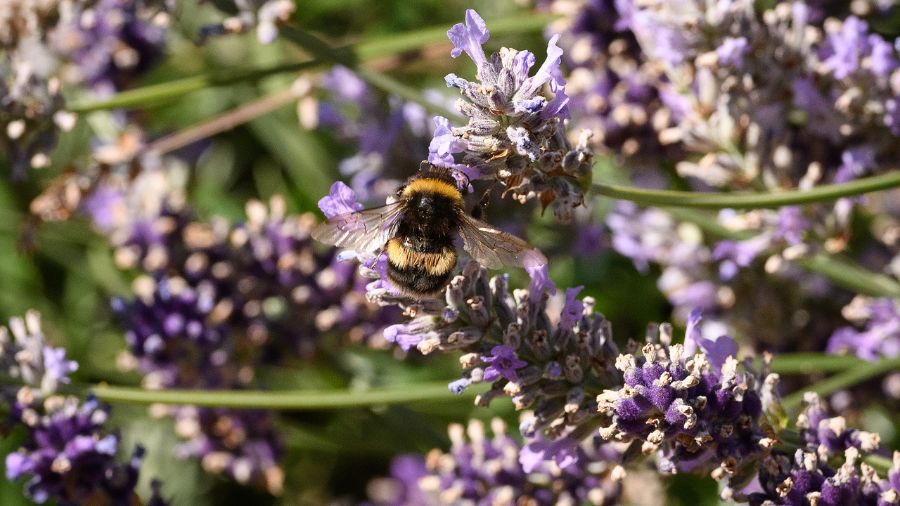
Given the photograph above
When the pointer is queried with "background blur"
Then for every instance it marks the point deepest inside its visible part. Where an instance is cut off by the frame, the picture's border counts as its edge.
(66, 270)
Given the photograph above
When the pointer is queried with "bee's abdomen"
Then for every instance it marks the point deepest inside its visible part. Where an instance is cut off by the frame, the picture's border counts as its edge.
(417, 272)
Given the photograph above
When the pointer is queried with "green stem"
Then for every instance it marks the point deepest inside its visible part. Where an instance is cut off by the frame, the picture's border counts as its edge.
(399, 43)
(838, 270)
(164, 92)
(364, 51)
(846, 379)
(881, 464)
(350, 59)
(807, 363)
(848, 274)
(822, 193)
(291, 400)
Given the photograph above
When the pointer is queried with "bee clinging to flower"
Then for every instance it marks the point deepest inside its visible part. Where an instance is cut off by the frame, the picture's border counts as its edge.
(417, 230)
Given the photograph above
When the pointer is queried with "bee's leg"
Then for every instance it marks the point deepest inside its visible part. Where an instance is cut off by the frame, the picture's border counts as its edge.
(376, 257)
(478, 210)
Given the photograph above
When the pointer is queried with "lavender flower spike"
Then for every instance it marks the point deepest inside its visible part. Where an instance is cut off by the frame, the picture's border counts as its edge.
(514, 132)
(543, 359)
(809, 475)
(688, 412)
(26, 359)
(69, 458)
(485, 470)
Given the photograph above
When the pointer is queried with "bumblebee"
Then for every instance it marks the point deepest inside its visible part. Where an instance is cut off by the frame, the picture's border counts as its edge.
(417, 231)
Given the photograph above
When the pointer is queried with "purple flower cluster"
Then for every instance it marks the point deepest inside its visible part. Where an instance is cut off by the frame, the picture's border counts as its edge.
(514, 132)
(68, 455)
(31, 115)
(880, 336)
(807, 475)
(543, 359)
(832, 89)
(109, 42)
(614, 90)
(48, 45)
(217, 300)
(484, 470)
(27, 360)
(805, 478)
(240, 443)
(694, 411)
(70, 458)
(750, 286)
(692, 83)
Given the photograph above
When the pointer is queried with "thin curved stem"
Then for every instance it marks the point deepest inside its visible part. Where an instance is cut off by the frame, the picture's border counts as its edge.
(846, 379)
(292, 400)
(824, 193)
(807, 363)
(227, 121)
(305, 400)
(347, 57)
(164, 92)
(881, 464)
(839, 270)
(416, 39)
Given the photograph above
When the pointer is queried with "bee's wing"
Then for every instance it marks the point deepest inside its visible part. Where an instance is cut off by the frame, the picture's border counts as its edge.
(364, 231)
(493, 248)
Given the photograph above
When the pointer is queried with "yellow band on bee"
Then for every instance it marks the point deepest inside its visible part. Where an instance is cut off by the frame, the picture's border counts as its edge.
(428, 185)
(433, 263)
